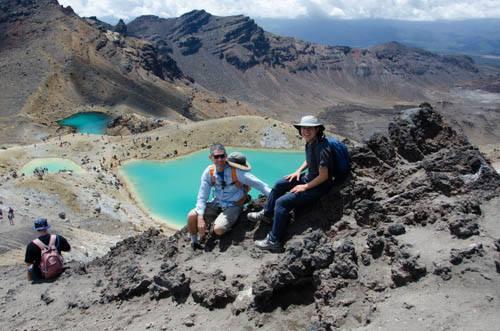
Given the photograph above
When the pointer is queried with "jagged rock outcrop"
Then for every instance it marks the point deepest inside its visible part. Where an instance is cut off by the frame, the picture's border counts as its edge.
(132, 124)
(121, 27)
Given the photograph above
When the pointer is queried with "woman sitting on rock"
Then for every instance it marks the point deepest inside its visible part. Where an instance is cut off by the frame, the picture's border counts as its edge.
(298, 189)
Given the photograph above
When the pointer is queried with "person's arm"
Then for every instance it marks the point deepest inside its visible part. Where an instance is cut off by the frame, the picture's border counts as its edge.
(201, 201)
(203, 192)
(251, 180)
(64, 244)
(296, 175)
(28, 258)
(322, 177)
(325, 158)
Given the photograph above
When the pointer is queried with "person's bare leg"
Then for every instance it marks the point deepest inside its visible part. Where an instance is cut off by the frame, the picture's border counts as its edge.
(193, 229)
(192, 222)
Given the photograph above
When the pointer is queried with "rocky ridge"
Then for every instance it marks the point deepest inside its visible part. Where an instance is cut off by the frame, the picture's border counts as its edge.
(282, 76)
(244, 44)
(413, 212)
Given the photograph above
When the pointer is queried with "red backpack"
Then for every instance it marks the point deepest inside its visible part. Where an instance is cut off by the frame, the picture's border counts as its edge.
(51, 262)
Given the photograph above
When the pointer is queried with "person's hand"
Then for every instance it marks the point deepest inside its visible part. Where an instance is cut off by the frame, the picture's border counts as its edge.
(292, 176)
(202, 227)
(299, 188)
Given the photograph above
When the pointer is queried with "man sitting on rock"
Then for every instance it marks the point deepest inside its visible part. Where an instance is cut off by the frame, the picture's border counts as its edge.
(43, 255)
(231, 179)
(298, 189)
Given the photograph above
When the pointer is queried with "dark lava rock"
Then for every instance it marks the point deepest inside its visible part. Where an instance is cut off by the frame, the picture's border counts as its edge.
(46, 298)
(369, 213)
(173, 284)
(396, 229)
(497, 265)
(214, 297)
(464, 228)
(375, 245)
(458, 255)
(133, 289)
(421, 131)
(445, 184)
(133, 123)
(345, 262)
(296, 267)
(365, 259)
(382, 148)
(362, 157)
(407, 270)
(497, 244)
(62, 215)
(443, 271)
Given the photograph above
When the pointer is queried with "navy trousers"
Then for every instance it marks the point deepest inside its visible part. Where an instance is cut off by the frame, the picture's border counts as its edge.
(280, 202)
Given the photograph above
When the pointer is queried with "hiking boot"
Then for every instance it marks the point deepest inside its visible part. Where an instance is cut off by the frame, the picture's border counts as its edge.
(268, 245)
(256, 216)
(196, 245)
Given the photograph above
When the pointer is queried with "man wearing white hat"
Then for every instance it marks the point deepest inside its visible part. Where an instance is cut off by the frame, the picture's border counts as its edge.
(298, 189)
(231, 179)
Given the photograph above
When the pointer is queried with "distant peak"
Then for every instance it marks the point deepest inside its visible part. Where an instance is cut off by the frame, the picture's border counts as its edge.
(148, 17)
(392, 44)
(196, 12)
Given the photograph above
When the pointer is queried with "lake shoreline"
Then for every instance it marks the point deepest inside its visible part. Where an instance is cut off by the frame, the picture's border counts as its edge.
(134, 196)
(170, 209)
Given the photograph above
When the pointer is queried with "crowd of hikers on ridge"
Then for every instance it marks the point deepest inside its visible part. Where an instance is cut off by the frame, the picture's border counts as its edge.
(228, 180)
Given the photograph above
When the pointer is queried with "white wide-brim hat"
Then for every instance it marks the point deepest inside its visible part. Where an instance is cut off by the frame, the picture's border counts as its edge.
(310, 121)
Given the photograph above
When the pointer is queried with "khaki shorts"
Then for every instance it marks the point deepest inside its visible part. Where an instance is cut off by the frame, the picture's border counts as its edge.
(224, 218)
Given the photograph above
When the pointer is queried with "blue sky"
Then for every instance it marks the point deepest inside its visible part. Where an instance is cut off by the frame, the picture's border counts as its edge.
(344, 9)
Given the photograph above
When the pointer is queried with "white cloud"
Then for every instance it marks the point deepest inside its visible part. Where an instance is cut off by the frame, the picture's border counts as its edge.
(389, 9)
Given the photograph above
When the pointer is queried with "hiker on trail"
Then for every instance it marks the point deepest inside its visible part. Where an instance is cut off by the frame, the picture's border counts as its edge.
(43, 255)
(231, 179)
(10, 216)
(300, 189)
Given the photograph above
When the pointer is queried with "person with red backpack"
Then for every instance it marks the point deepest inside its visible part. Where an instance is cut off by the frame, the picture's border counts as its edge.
(43, 255)
(230, 180)
(327, 162)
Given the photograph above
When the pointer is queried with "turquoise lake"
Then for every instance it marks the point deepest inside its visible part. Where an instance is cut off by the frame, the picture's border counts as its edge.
(90, 122)
(168, 189)
(53, 165)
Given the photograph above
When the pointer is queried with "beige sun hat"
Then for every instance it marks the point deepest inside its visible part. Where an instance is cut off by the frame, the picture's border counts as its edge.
(309, 121)
(238, 160)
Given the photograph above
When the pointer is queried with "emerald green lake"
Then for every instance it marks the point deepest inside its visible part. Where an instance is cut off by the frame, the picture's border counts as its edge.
(168, 189)
(90, 122)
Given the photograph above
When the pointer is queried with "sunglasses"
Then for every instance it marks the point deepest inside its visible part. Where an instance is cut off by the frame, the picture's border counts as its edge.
(220, 156)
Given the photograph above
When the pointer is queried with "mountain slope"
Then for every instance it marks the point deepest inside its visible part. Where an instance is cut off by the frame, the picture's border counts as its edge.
(234, 56)
(53, 64)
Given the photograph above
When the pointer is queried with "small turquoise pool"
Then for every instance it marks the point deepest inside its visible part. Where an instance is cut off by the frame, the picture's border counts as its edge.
(52, 165)
(168, 189)
(90, 122)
